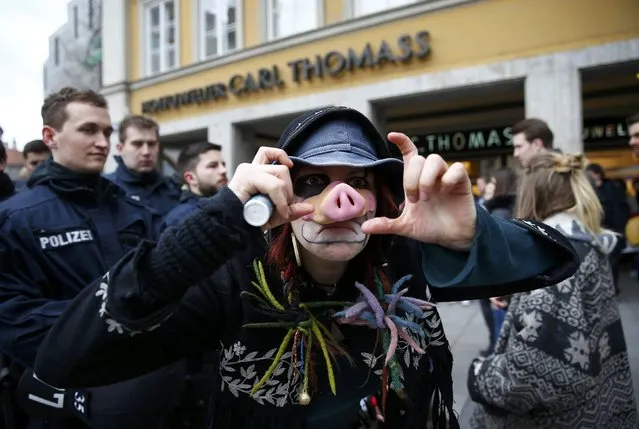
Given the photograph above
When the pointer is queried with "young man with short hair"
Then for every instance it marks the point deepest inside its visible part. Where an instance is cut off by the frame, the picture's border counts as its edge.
(35, 153)
(56, 238)
(139, 149)
(531, 136)
(202, 168)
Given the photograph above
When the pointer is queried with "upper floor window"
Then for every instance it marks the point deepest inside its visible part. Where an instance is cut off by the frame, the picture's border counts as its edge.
(288, 17)
(367, 7)
(218, 27)
(160, 32)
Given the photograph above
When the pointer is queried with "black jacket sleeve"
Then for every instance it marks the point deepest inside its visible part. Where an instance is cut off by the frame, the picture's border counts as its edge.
(141, 314)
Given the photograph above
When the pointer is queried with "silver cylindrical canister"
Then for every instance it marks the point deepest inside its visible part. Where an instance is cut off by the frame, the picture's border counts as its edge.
(258, 210)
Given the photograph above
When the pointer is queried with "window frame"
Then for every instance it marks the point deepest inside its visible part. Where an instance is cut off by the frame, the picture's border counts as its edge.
(200, 32)
(355, 15)
(145, 14)
(270, 24)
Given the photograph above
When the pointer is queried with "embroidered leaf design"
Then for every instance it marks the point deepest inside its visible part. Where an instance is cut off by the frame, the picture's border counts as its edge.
(250, 371)
(378, 372)
(434, 323)
(279, 371)
(272, 382)
(436, 334)
(282, 389)
(407, 357)
(270, 354)
(369, 359)
(228, 354)
(249, 357)
(437, 343)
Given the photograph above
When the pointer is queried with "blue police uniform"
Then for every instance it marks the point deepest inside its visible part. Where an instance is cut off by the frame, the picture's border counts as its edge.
(55, 239)
(188, 203)
(152, 189)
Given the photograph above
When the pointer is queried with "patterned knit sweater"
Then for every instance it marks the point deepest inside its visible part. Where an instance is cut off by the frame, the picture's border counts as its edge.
(561, 360)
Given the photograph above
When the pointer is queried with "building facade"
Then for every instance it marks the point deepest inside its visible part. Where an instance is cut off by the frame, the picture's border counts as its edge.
(452, 74)
(74, 49)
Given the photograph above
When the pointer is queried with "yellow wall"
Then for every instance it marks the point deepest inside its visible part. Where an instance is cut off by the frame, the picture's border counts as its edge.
(252, 25)
(482, 32)
(333, 11)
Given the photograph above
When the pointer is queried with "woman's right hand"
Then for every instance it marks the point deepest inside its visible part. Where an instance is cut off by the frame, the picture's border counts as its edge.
(269, 174)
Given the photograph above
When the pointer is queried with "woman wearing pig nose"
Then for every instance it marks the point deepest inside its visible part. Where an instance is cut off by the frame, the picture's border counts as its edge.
(330, 321)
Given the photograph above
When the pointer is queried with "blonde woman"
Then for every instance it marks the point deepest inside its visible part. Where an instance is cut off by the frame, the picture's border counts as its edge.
(561, 360)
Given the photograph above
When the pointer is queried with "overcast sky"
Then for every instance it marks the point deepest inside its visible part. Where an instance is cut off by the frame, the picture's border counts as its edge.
(24, 46)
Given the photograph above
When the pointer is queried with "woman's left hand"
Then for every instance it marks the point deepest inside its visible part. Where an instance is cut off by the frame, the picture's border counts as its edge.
(439, 206)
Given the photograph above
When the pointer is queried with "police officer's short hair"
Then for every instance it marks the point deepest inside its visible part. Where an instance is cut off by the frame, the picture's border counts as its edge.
(140, 122)
(35, 146)
(634, 119)
(54, 109)
(190, 155)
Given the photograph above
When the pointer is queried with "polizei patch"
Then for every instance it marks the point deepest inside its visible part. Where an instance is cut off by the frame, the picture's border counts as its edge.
(50, 240)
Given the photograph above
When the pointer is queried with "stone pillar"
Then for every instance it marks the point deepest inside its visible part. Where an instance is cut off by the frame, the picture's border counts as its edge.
(114, 67)
(226, 135)
(553, 93)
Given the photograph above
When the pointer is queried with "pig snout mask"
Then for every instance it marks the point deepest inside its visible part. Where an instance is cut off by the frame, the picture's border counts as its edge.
(340, 202)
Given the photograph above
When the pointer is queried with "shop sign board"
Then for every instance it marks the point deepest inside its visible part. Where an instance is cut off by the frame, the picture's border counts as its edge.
(333, 64)
(597, 133)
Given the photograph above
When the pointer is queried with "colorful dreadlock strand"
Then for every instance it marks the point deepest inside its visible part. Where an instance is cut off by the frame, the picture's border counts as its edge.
(263, 285)
(276, 361)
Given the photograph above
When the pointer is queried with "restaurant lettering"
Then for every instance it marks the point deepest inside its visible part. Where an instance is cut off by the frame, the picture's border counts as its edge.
(596, 133)
(331, 64)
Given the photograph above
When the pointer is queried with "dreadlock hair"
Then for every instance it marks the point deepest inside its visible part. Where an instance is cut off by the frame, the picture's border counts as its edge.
(282, 257)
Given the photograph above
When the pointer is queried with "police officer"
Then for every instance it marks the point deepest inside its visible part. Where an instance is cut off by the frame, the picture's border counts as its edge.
(55, 239)
(203, 170)
(7, 188)
(139, 148)
(34, 153)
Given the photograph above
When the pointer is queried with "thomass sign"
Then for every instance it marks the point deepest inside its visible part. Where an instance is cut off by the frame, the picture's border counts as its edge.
(597, 134)
(332, 64)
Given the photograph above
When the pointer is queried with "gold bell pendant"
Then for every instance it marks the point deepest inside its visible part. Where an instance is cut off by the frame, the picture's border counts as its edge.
(304, 398)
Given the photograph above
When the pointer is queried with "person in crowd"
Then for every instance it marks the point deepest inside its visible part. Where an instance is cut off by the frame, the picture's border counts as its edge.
(327, 321)
(616, 212)
(35, 153)
(561, 360)
(202, 168)
(55, 239)
(502, 191)
(531, 136)
(481, 188)
(137, 174)
(633, 132)
(7, 188)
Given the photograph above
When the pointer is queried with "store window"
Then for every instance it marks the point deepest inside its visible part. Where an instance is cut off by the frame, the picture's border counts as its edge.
(160, 32)
(218, 27)
(288, 17)
(368, 7)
